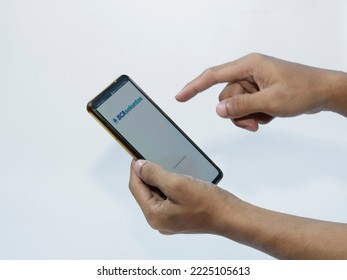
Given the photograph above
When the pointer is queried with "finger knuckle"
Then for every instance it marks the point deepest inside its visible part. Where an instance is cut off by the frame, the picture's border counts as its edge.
(148, 173)
(237, 105)
(209, 75)
(154, 222)
(256, 56)
(130, 186)
(158, 219)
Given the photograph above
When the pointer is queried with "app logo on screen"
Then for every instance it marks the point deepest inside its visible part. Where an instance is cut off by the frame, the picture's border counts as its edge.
(126, 111)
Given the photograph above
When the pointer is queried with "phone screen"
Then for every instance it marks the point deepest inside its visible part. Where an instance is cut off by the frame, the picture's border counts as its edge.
(148, 132)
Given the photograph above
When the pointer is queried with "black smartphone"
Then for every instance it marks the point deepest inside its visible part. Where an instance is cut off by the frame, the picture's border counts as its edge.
(146, 132)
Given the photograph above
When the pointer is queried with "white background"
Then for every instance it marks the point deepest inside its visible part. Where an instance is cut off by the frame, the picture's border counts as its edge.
(64, 181)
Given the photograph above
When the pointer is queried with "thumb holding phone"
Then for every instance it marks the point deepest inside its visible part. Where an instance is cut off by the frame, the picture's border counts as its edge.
(174, 203)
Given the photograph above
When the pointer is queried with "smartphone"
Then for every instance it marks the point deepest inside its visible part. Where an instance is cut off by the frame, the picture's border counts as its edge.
(146, 132)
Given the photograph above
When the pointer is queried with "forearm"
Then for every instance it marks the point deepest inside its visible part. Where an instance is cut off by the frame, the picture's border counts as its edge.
(284, 236)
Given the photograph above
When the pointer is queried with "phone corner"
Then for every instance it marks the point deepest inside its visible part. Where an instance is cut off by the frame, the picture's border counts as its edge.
(89, 107)
(218, 178)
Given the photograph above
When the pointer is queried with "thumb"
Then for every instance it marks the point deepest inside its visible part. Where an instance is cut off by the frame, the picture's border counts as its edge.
(154, 175)
(242, 105)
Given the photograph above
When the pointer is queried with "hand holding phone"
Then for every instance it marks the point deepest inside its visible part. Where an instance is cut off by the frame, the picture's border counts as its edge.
(146, 132)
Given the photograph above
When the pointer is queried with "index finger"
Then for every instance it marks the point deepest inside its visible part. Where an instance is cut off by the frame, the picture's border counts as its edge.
(227, 72)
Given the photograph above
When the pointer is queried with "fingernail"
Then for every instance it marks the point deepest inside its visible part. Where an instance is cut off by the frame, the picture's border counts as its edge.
(138, 165)
(222, 109)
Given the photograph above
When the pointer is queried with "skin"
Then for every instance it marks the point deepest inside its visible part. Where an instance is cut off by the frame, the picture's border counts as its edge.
(259, 88)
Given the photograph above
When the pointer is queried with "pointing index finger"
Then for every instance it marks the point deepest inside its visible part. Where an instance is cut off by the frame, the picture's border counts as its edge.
(228, 72)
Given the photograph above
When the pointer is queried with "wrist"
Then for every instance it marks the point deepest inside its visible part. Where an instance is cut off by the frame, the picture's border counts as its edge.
(233, 222)
(337, 95)
(255, 227)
